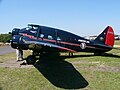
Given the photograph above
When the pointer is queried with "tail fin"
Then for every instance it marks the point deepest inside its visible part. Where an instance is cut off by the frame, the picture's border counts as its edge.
(106, 37)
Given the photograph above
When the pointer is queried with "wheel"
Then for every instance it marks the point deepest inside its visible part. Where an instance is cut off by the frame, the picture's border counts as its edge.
(31, 59)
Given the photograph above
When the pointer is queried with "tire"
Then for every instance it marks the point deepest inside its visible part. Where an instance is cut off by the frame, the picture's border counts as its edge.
(31, 59)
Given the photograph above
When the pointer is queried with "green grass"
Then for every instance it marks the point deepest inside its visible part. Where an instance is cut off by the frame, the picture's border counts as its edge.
(4, 58)
(84, 71)
(12, 56)
(117, 42)
(102, 80)
(33, 79)
(22, 79)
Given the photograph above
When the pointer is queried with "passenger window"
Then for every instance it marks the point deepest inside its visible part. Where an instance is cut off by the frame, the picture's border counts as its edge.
(50, 37)
(58, 38)
(41, 35)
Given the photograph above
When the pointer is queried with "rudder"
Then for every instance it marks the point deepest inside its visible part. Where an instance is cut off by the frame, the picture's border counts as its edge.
(106, 37)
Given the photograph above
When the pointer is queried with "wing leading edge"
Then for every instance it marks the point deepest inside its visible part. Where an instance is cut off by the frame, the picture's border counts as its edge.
(46, 44)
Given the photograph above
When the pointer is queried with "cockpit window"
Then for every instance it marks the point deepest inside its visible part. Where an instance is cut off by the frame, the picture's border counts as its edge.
(31, 27)
(31, 30)
(50, 37)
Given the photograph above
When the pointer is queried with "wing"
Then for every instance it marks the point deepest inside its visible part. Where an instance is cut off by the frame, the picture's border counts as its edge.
(47, 44)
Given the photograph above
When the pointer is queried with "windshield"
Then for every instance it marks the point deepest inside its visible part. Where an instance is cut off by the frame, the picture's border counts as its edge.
(31, 27)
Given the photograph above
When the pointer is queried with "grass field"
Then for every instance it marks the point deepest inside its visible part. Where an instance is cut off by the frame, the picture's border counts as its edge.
(84, 71)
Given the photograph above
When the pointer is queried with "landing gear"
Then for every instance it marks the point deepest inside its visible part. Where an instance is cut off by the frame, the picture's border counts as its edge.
(31, 59)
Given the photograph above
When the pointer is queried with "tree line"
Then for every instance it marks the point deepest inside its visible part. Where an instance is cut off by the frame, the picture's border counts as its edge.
(5, 38)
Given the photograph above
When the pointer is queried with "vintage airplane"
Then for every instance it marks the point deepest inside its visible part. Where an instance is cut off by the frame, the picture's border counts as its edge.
(42, 39)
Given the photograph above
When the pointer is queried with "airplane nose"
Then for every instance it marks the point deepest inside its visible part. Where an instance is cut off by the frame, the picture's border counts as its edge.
(15, 41)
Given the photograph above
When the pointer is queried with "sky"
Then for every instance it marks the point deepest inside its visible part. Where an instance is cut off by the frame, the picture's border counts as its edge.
(81, 17)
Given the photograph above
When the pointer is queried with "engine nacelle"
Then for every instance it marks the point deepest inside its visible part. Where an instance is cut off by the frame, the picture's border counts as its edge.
(15, 41)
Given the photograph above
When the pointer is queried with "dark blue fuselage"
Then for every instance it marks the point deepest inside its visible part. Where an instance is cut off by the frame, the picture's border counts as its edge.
(41, 38)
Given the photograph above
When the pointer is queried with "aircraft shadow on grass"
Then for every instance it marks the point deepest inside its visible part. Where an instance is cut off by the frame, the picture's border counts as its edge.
(92, 55)
(60, 73)
(111, 55)
(0, 88)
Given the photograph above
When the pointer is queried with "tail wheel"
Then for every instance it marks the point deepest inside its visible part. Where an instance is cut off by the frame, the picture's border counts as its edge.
(31, 59)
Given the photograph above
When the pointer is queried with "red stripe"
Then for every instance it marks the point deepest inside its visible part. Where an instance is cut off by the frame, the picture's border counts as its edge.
(67, 49)
(30, 36)
(49, 40)
(72, 44)
(68, 43)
